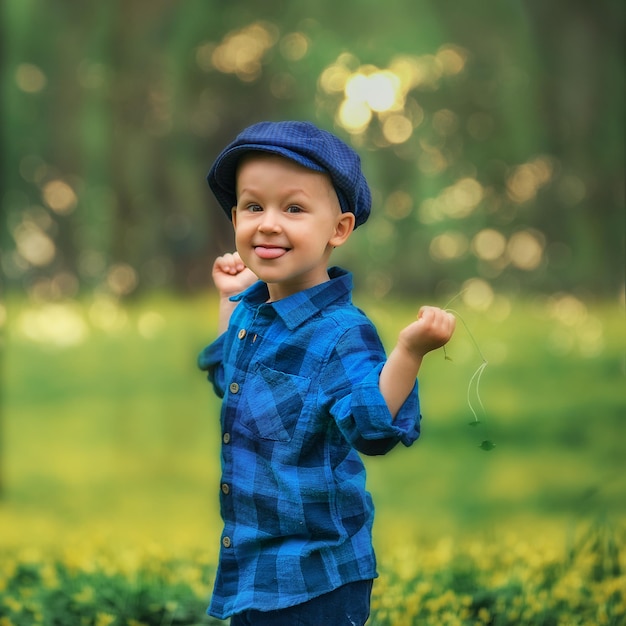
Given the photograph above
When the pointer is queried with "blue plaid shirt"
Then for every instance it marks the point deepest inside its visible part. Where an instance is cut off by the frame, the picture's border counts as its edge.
(299, 382)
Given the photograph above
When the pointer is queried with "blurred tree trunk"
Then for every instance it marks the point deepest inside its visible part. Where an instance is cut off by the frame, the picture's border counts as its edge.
(582, 100)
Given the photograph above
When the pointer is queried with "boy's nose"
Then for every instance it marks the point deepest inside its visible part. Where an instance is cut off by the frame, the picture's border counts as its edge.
(270, 222)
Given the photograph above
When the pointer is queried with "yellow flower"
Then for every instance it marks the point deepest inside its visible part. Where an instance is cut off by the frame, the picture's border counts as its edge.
(85, 596)
(49, 576)
(484, 615)
(12, 604)
(104, 619)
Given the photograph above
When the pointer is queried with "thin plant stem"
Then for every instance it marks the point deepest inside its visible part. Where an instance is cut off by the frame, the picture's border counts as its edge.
(469, 332)
(476, 376)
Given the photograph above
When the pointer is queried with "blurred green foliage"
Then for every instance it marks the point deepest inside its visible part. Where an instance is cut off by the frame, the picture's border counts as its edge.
(118, 432)
(491, 133)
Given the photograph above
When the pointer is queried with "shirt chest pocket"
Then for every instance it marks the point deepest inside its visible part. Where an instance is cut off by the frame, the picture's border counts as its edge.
(273, 402)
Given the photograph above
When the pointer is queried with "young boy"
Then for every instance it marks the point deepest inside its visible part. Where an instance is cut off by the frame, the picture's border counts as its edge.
(305, 383)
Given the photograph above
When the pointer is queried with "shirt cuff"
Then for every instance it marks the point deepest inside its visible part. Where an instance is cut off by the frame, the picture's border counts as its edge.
(370, 427)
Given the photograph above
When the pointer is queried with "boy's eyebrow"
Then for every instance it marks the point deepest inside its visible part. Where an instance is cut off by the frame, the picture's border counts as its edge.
(289, 192)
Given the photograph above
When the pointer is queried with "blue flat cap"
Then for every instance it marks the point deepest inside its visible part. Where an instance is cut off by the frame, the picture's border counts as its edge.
(305, 144)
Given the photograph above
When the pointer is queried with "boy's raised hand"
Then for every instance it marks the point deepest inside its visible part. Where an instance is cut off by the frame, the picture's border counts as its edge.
(231, 276)
(432, 330)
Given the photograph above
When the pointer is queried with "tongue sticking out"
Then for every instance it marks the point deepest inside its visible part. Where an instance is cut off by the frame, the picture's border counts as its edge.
(269, 253)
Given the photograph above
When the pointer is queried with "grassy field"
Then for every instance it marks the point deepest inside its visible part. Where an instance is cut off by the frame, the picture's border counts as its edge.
(110, 463)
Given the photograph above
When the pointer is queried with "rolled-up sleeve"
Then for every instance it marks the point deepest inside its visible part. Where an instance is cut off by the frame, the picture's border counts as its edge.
(211, 360)
(359, 408)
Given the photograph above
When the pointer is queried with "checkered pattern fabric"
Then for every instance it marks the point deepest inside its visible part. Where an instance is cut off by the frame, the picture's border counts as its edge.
(305, 144)
(299, 382)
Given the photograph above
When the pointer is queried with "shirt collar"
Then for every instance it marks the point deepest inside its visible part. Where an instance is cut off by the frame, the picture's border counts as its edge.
(299, 307)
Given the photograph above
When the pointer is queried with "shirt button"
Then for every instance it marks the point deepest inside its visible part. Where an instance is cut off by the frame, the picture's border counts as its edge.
(226, 437)
(234, 387)
(225, 489)
(242, 333)
(226, 542)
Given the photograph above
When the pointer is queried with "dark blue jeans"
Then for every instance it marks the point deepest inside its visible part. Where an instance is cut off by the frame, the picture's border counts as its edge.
(348, 605)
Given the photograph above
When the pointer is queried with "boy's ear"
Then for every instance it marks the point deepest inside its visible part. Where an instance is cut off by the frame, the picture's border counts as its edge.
(343, 229)
(233, 215)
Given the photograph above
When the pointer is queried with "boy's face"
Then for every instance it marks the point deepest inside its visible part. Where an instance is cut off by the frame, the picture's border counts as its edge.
(287, 221)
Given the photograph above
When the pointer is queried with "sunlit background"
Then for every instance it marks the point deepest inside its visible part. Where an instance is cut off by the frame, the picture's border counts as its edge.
(492, 136)
(492, 140)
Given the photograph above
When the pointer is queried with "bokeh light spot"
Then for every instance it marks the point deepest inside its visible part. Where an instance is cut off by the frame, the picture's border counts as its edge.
(294, 46)
(449, 245)
(445, 122)
(60, 324)
(465, 195)
(334, 78)
(59, 196)
(455, 201)
(477, 294)
(383, 232)
(398, 205)
(122, 279)
(591, 337)
(382, 91)
(241, 52)
(431, 161)
(34, 245)
(452, 58)
(397, 129)
(525, 249)
(30, 78)
(150, 324)
(106, 314)
(357, 87)
(354, 116)
(567, 309)
(525, 180)
(489, 244)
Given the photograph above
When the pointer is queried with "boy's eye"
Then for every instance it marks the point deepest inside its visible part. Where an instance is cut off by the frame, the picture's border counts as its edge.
(254, 208)
(294, 208)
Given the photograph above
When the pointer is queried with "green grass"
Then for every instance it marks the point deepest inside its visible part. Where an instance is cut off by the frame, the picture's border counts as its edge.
(88, 427)
(115, 439)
